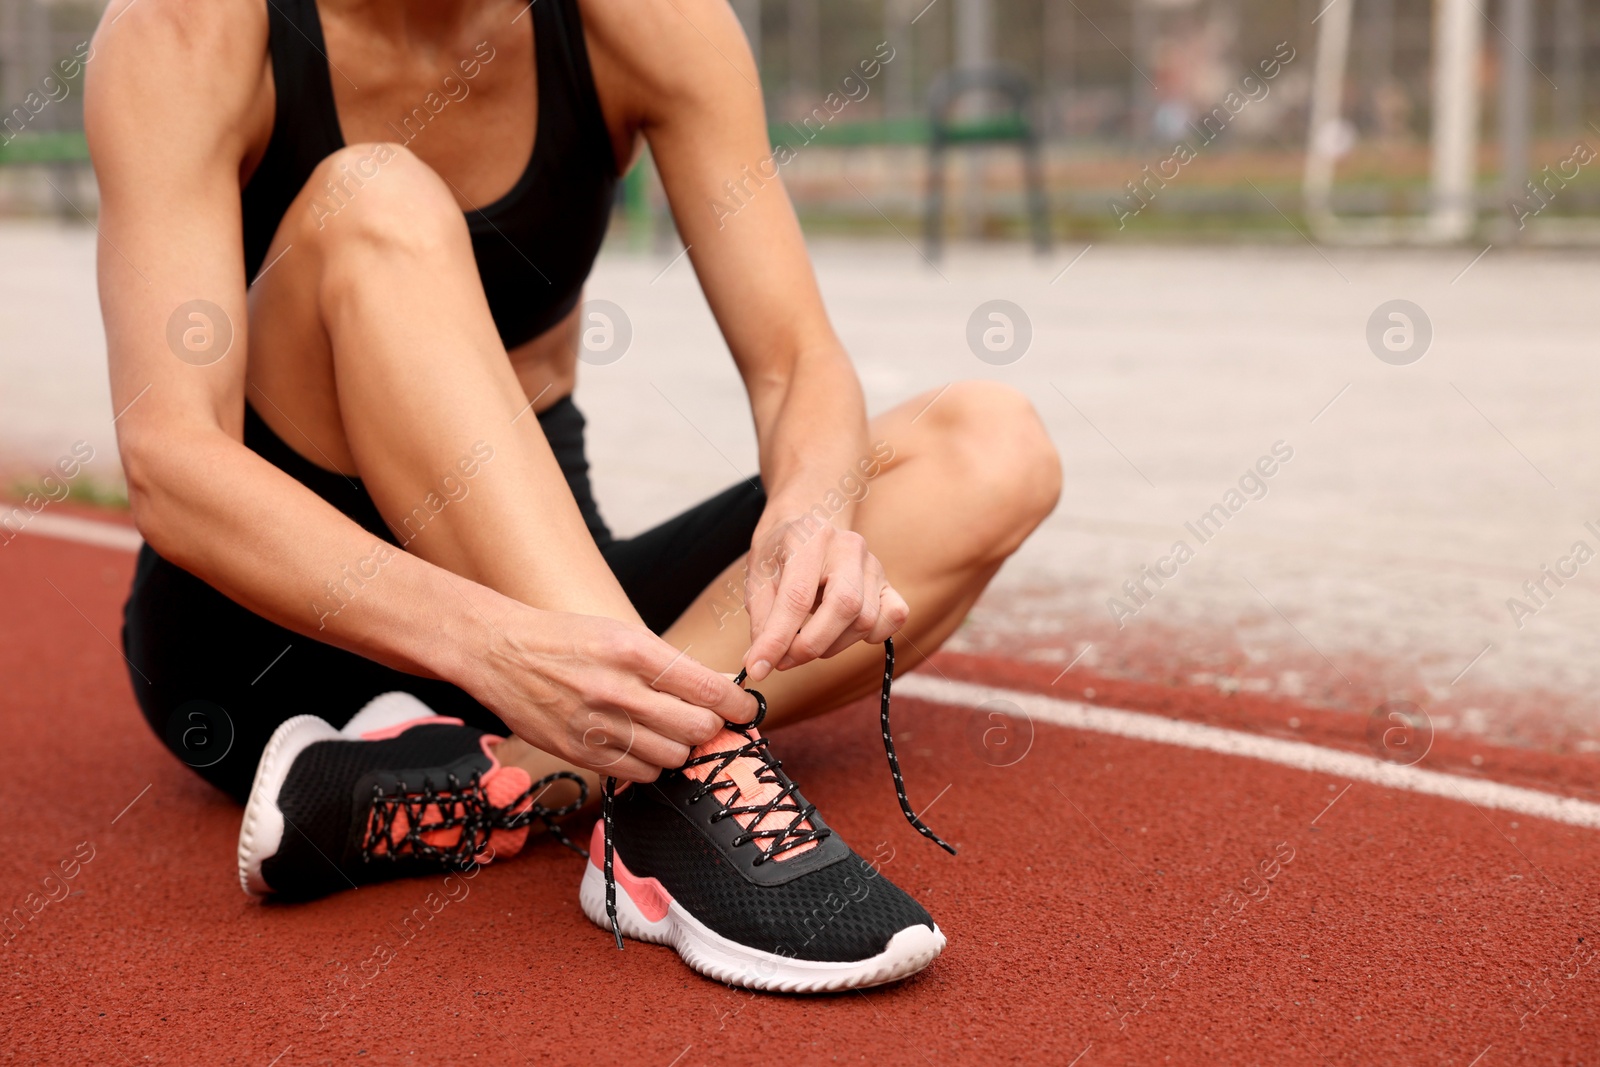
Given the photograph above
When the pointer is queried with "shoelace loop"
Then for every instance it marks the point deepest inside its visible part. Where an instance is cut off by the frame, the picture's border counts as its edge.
(460, 806)
(783, 838)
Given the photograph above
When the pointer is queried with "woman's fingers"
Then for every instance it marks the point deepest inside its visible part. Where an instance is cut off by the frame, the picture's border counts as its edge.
(617, 741)
(695, 686)
(795, 596)
(659, 751)
(608, 695)
(651, 705)
(836, 624)
(867, 620)
(605, 737)
(851, 604)
(677, 720)
(630, 769)
(893, 612)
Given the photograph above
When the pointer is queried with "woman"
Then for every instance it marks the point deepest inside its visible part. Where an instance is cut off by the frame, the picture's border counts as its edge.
(343, 248)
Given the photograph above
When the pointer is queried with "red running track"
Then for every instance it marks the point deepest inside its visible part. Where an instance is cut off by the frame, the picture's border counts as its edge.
(1102, 910)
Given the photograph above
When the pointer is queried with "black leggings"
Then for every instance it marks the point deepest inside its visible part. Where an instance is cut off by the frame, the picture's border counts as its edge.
(214, 679)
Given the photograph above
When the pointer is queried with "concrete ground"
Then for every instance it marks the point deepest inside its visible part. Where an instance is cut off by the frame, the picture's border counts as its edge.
(1419, 499)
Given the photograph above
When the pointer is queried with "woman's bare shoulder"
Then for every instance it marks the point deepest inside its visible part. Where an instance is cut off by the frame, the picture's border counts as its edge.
(665, 54)
(176, 67)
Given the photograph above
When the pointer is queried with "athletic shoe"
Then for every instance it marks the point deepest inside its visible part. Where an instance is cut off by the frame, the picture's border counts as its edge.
(399, 791)
(726, 861)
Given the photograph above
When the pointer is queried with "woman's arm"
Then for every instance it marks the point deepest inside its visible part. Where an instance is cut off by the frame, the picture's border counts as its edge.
(168, 109)
(170, 102)
(689, 78)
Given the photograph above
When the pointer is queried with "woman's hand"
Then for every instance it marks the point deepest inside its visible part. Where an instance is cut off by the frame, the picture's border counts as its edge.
(603, 694)
(809, 569)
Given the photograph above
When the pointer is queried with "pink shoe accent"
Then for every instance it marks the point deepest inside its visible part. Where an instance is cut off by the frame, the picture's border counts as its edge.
(743, 773)
(647, 894)
(501, 785)
(399, 728)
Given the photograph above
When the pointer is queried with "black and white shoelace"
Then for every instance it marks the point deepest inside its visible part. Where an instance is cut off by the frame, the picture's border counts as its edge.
(777, 840)
(464, 806)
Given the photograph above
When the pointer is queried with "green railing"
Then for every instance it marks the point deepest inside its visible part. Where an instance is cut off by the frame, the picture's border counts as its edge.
(64, 147)
(912, 131)
(69, 146)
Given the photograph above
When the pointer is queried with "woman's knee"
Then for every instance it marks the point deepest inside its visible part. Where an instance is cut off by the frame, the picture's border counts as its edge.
(995, 442)
(380, 198)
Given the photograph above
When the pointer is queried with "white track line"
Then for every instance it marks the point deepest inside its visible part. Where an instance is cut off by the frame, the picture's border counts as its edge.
(1144, 727)
(84, 531)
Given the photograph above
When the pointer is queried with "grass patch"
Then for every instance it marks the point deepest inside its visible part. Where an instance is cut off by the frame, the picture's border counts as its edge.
(81, 490)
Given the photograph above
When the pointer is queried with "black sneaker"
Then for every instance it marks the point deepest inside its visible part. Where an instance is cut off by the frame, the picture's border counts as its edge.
(724, 860)
(399, 791)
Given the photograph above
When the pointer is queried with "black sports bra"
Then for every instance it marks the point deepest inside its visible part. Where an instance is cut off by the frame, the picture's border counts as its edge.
(535, 245)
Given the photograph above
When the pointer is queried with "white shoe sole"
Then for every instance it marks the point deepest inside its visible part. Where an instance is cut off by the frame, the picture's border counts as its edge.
(261, 832)
(714, 956)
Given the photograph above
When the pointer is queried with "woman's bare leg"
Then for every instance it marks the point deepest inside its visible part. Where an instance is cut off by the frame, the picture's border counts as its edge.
(973, 473)
(372, 352)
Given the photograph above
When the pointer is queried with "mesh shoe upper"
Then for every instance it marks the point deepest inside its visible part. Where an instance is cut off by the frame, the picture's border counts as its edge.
(327, 800)
(823, 902)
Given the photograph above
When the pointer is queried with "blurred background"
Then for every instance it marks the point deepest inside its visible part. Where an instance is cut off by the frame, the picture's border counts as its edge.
(1106, 87)
(1185, 229)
